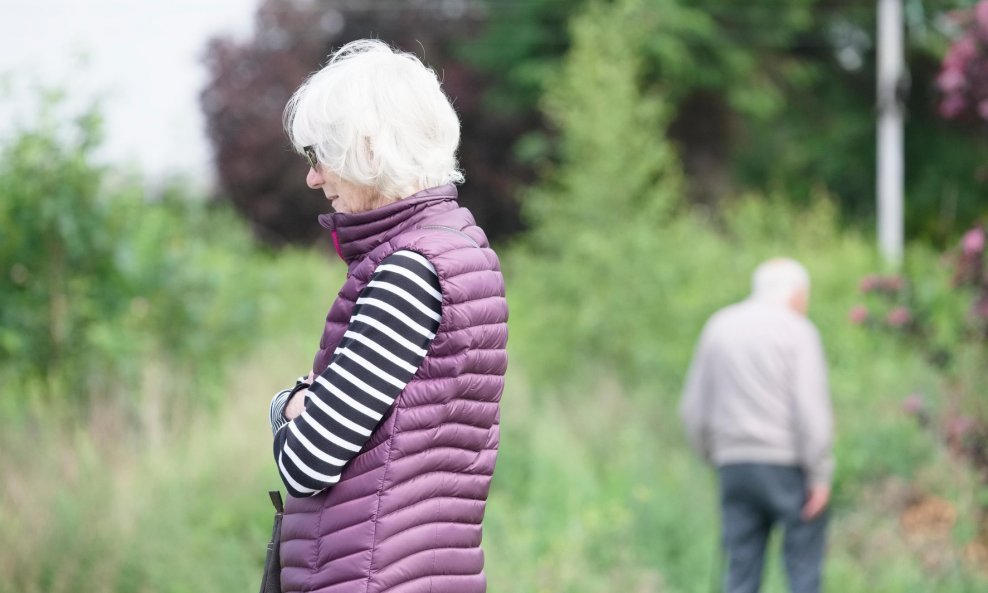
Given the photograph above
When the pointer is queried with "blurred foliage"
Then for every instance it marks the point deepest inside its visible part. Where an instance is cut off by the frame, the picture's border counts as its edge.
(58, 241)
(615, 163)
(689, 45)
(604, 207)
(99, 278)
(767, 96)
(762, 96)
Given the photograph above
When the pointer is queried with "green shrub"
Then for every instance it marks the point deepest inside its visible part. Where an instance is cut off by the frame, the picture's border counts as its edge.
(100, 278)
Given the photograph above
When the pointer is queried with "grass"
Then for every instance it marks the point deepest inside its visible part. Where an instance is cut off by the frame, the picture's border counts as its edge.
(595, 489)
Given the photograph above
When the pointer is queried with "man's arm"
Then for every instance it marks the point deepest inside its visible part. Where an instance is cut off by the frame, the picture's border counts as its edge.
(694, 407)
(811, 399)
(814, 419)
(392, 325)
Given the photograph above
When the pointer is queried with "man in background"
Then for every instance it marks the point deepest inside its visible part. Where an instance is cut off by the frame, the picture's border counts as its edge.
(756, 405)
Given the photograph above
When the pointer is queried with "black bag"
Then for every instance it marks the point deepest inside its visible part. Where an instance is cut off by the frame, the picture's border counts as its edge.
(271, 581)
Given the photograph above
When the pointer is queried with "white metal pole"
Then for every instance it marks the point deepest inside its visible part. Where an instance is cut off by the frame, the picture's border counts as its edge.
(890, 152)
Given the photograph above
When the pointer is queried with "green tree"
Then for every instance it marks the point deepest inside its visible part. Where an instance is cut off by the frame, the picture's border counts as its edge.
(100, 281)
(58, 253)
(606, 205)
(615, 161)
(766, 95)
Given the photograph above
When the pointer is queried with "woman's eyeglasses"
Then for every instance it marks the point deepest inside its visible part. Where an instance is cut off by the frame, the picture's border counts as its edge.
(310, 155)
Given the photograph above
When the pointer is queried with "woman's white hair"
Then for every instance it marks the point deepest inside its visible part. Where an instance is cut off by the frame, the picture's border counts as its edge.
(378, 118)
(778, 280)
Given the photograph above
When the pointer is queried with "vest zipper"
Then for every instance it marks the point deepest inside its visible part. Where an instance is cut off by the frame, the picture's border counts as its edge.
(451, 230)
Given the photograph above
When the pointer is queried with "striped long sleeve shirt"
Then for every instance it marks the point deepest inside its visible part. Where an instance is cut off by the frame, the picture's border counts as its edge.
(392, 325)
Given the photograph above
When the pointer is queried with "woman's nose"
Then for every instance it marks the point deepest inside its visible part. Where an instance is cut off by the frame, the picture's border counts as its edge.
(314, 179)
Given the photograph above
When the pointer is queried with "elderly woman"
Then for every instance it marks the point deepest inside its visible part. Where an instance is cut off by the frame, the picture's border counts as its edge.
(387, 447)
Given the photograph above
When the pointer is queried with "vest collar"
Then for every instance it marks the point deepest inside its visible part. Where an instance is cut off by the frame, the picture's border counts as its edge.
(357, 234)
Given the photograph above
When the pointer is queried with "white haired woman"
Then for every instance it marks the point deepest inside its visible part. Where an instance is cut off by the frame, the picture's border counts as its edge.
(387, 446)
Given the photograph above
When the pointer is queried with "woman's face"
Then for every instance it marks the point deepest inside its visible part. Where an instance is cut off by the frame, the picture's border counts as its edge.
(343, 195)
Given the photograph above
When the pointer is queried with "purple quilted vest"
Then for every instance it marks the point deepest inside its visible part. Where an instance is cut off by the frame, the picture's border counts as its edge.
(406, 514)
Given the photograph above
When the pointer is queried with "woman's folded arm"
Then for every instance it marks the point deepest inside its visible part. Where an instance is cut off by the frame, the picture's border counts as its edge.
(392, 325)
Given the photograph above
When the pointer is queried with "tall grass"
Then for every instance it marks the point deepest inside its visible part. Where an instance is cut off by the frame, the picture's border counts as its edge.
(153, 494)
(595, 489)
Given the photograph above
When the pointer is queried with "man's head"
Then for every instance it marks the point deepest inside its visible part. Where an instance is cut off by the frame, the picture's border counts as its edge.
(782, 281)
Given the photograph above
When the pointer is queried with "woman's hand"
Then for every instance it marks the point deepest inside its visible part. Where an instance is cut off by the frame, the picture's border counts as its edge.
(297, 403)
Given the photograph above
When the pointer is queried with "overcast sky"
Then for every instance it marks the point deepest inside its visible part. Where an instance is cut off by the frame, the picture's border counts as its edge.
(142, 57)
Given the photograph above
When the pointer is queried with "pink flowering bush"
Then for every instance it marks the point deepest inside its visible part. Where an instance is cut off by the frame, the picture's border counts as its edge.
(973, 242)
(963, 77)
(899, 317)
(970, 272)
(859, 315)
(939, 314)
(890, 285)
(942, 310)
(885, 303)
(914, 404)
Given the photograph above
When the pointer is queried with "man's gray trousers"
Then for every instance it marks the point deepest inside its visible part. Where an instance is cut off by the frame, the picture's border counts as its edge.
(754, 498)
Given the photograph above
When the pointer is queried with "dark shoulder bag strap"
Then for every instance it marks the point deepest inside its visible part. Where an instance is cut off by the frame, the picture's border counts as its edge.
(271, 581)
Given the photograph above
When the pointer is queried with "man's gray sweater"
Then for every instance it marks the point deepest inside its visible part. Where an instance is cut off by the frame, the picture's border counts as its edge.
(757, 391)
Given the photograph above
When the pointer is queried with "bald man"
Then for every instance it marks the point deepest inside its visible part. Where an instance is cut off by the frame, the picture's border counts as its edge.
(756, 406)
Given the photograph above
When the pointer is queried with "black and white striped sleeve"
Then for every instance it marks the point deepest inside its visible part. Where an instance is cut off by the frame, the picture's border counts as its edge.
(392, 325)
